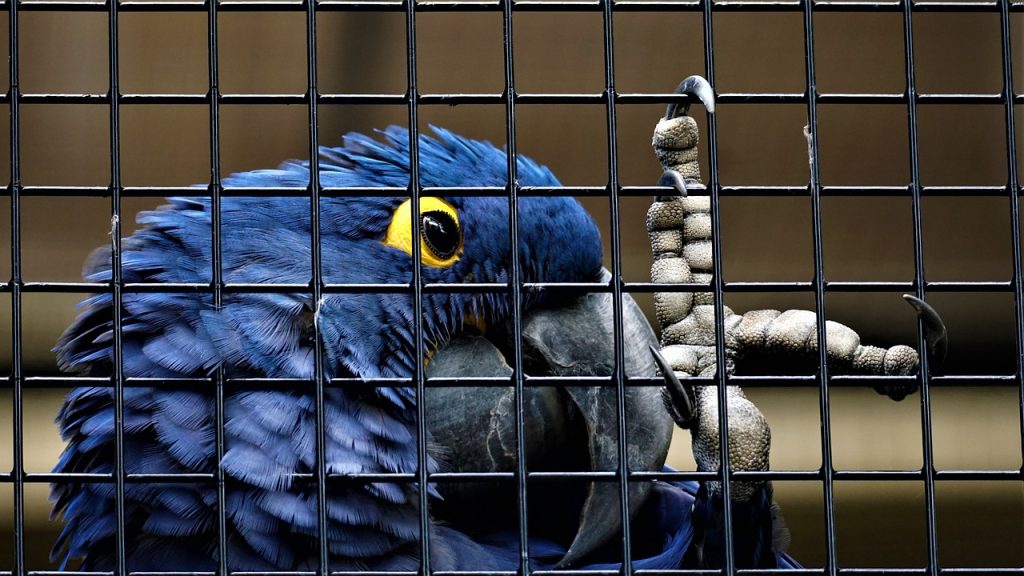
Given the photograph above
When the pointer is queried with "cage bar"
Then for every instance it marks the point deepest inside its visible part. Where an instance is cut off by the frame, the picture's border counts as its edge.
(820, 286)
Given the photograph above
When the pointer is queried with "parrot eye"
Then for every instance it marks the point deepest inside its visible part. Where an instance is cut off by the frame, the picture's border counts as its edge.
(440, 233)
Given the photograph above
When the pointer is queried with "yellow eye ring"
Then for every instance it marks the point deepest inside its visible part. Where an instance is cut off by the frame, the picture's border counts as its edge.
(440, 231)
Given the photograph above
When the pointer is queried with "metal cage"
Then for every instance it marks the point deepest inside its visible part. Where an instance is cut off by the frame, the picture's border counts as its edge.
(512, 100)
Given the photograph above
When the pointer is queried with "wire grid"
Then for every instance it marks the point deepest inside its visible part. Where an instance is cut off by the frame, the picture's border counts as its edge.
(510, 98)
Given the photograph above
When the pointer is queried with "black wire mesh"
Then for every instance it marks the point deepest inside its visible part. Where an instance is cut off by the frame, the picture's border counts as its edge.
(610, 98)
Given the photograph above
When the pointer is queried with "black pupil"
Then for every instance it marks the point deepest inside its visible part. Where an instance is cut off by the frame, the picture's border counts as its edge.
(440, 233)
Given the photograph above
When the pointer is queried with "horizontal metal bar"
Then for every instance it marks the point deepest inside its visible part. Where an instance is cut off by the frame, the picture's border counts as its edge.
(518, 6)
(498, 98)
(639, 572)
(921, 571)
(772, 381)
(854, 190)
(203, 191)
(589, 476)
(743, 287)
(979, 475)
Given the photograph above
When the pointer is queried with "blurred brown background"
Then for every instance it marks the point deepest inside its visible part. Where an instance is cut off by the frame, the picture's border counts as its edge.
(965, 238)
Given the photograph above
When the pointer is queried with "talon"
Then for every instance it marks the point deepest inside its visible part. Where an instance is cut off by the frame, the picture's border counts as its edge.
(934, 329)
(694, 86)
(679, 399)
(674, 179)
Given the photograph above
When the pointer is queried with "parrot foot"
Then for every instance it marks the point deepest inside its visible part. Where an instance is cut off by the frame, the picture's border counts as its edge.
(749, 438)
(794, 332)
(680, 231)
(697, 411)
(749, 434)
(675, 138)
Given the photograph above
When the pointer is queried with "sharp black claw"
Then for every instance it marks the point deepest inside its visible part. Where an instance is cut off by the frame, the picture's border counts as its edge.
(674, 179)
(693, 86)
(934, 329)
(679, 399)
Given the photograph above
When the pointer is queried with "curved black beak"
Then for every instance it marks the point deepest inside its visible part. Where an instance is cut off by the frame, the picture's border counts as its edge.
(576, 340)
(567, 429)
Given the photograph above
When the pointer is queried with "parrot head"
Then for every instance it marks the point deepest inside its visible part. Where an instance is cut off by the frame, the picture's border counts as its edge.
(461, 240)
(363, 240)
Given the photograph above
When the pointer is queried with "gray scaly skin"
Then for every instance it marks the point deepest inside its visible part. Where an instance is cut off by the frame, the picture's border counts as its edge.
(680, 231)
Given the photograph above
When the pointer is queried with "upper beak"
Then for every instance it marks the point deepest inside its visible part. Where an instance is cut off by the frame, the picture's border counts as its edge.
(576, 340)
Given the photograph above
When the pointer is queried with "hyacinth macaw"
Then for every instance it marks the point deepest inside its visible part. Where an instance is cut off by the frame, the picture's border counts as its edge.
(270, 434)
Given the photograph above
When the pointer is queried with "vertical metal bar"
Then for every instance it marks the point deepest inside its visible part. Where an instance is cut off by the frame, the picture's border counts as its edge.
(117, 285)
(717, 282)
(1014, 183)
(814, 184)
(928, 466)
(618, 338)
(419, 377)
(217, 263)
(312, 93)
(522, 501)
(17, 377)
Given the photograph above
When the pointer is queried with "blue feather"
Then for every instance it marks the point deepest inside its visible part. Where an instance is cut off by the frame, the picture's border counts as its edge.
(270, 436)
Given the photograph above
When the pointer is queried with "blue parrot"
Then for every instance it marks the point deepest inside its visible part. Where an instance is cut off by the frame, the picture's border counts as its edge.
(270, 435)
